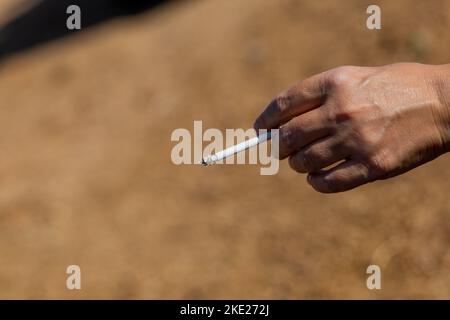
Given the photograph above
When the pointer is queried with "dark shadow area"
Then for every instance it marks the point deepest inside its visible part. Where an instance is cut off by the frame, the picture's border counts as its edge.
(46, 21)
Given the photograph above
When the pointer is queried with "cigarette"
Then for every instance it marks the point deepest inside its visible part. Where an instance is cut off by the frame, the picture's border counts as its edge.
(212, 159)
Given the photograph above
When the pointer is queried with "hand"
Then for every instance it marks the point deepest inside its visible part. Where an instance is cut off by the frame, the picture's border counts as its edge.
(366, 123)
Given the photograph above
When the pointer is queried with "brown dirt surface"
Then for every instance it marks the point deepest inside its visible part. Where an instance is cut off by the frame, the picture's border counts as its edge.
(86, 176)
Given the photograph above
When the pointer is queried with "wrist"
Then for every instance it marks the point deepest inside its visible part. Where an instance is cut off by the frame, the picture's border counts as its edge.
(441, 83)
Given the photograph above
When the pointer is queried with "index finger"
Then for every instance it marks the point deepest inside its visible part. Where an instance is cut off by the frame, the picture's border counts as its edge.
(305, 95)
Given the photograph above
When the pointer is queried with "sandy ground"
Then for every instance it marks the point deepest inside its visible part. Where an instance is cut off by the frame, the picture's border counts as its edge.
(86, 176)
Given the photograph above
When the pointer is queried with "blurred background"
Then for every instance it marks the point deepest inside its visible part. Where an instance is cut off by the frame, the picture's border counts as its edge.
(86, 176)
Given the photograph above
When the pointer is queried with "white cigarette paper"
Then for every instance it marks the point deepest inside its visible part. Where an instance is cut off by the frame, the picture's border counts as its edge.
(212, 159)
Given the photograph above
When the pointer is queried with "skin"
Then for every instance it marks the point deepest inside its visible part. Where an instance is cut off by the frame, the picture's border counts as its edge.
(353, 125)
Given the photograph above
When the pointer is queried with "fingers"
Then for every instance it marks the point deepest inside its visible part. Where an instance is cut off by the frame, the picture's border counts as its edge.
(306, 95)
(302, 130)
(318, 155)
(345, 176)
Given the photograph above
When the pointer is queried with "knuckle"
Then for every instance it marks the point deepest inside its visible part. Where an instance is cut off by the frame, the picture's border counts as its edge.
(281, 103)
(332, 185)
(345, 113)
(363, 137)
(381, 164)
(295, 165)
(328, 114)
(326, 185)
(309, 158)
(359, 139)
(288, 137)
(341, 75)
